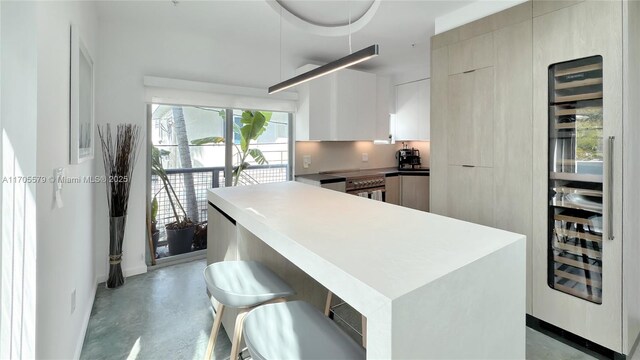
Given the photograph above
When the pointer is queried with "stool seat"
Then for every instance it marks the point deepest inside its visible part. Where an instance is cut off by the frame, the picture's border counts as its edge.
(296, 330)
(243, 284)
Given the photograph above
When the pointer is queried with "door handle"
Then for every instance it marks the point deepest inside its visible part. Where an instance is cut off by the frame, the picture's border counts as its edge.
(468, 166)
(610, 194)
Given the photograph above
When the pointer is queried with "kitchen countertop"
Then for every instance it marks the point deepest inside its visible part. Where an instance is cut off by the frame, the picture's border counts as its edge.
(337, 176)
(452, 286)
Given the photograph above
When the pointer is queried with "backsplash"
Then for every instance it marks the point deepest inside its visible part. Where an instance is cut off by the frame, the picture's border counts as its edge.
(347, 155)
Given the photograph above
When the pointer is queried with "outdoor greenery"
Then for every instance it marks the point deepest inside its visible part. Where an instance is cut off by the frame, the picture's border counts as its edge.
(182, 220)
(589, 135)
(254, 124)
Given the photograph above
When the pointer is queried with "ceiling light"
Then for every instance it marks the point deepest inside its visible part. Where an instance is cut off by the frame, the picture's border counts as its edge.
(351, 59)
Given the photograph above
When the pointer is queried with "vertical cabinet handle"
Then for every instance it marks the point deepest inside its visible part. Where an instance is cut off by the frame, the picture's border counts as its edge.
(610, 181)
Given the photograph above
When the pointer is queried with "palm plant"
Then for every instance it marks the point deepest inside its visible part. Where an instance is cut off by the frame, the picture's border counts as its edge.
(182, 220)
(254, 124)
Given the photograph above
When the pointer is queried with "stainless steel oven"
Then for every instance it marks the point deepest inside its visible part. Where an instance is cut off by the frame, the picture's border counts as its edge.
(369, 186)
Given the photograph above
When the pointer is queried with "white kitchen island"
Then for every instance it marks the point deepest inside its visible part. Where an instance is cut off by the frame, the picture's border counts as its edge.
(430, 286)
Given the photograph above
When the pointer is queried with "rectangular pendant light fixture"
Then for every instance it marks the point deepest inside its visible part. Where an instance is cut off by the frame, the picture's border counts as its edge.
(351, 59)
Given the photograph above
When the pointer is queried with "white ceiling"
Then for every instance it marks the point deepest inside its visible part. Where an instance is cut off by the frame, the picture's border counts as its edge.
(401, 28)
(328, 12)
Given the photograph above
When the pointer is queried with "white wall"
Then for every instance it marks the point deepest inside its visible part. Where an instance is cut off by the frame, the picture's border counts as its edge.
(128, 52)
(66, 244)
(474, 11)
(19, 122)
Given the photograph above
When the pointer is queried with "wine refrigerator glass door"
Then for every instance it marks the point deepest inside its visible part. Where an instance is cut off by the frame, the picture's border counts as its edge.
(576, 158)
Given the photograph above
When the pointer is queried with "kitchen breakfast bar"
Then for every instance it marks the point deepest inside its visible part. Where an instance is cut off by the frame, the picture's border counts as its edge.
(429, 286)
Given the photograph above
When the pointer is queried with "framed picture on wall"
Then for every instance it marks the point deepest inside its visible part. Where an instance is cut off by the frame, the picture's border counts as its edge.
(81, 112)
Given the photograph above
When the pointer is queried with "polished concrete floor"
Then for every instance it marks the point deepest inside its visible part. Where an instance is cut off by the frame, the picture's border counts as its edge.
(165, 314)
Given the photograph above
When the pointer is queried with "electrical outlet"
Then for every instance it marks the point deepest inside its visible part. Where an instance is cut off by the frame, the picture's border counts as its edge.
(73, 301)
(365, 157)
(306, 161)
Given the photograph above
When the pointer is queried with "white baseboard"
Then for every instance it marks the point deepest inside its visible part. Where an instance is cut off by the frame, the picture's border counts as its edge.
(127, 272)
(85, 322)
(135, 271)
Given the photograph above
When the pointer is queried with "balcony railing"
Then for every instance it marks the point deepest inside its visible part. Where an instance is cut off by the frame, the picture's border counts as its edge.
(203, 179)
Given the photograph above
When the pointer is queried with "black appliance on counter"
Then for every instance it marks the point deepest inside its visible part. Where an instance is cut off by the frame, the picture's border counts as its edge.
(408, 158)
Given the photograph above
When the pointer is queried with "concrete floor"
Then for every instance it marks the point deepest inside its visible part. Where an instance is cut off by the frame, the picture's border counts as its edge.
(165, 314)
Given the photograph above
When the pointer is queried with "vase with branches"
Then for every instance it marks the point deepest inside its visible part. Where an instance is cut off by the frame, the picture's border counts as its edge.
(119, 157)
(254, 124)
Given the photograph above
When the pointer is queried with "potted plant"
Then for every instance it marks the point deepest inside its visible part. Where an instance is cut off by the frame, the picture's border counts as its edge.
(179, 232)
(200, 237)
(155, 233)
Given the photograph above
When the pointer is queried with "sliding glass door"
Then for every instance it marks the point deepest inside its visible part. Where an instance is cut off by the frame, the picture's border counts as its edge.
(193, 149)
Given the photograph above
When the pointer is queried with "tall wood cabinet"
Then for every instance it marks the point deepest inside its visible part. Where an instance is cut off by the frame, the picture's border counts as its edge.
(501, 119)
(481, 126)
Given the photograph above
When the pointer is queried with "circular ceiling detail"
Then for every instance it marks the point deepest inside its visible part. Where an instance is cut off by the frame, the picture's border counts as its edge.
(329, 18)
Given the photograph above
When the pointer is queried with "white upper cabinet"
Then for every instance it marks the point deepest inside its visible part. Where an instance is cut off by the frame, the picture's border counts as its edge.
(413, 111)
(341, 106)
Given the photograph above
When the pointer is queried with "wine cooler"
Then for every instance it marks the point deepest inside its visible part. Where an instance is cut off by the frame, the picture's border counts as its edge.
(576, 159)
(585, 275)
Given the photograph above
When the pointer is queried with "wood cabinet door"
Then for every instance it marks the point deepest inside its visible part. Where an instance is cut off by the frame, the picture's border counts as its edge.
(415, 192)
(470, 133)
(512, 156)
(470, 194)
(459, 136)
(481, 119)
(392, 190)
(439, 124)
(471, 54)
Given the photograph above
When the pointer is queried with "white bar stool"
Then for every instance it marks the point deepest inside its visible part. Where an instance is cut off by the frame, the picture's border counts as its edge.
(296, 330)
(242, 285)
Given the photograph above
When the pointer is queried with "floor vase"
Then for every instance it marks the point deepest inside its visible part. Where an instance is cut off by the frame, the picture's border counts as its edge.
(116, 236)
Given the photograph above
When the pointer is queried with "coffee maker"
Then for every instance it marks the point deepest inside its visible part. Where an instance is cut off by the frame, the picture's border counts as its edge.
(408, 158)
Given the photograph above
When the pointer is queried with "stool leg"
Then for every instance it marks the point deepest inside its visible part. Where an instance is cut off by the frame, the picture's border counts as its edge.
(364, 332)
(327, 307)
(215, 329)
(237, 335)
